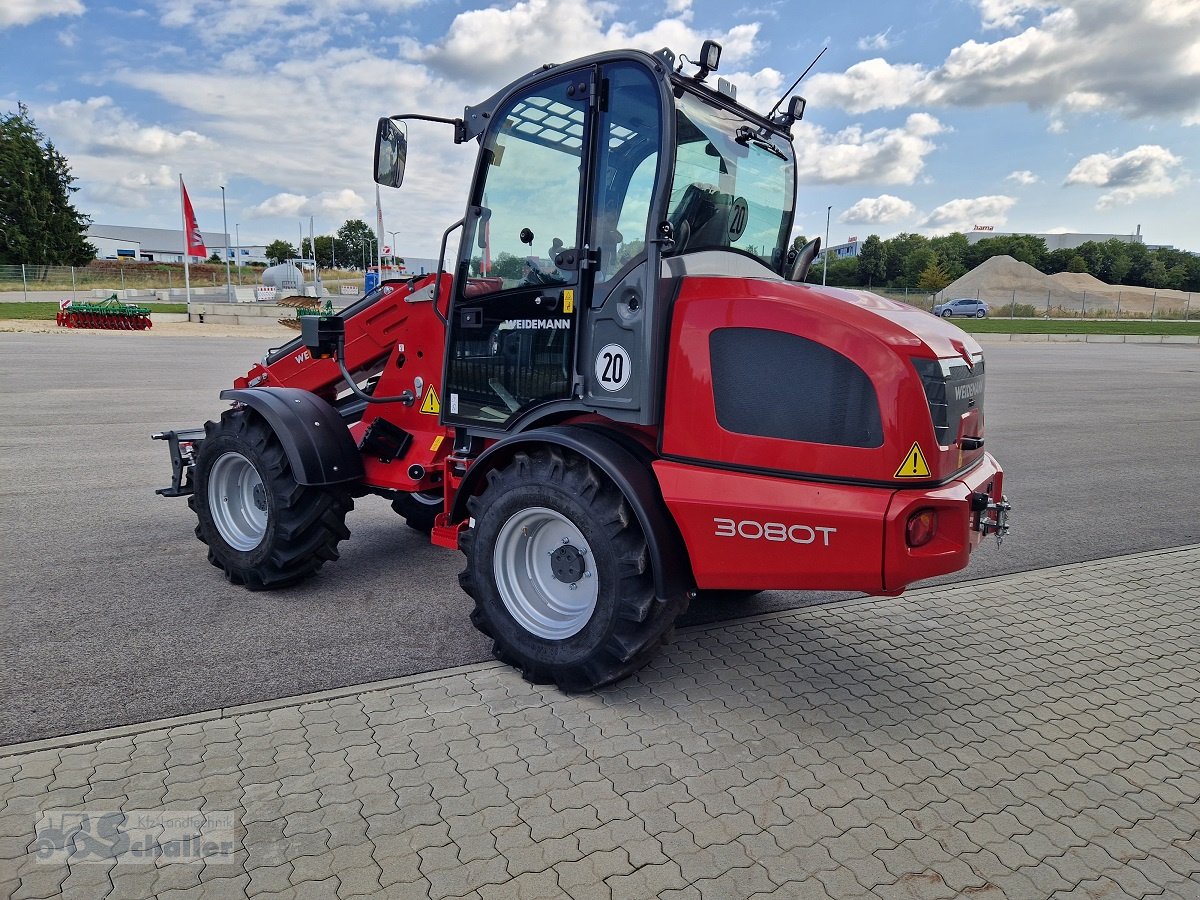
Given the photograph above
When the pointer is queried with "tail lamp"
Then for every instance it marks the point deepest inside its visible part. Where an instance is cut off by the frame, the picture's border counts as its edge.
(921, 527)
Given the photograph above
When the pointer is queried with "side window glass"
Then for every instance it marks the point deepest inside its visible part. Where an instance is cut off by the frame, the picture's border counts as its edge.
(532, 188)
(627, 165)
(772, 384)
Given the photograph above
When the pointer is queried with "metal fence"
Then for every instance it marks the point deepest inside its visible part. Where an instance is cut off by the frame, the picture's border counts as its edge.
(1116, 302)
(140, 280)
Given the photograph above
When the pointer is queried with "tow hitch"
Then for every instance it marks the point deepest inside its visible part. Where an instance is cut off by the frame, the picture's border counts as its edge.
(183, 445)
(993, 516)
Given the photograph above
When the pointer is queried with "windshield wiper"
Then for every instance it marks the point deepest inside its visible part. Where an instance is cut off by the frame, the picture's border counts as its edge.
(771, 148)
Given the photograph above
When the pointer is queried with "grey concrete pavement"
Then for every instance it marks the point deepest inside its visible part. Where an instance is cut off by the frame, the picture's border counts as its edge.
(111, 613)
(1026, 736)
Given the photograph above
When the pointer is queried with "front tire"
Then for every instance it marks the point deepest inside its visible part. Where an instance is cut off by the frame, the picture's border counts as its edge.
(558, 566)
(947, 314)
(420, 509)
(980, 313)
(263, 530)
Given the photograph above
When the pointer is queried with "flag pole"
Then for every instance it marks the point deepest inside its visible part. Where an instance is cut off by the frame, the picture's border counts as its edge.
(187, 277)
(379, 234)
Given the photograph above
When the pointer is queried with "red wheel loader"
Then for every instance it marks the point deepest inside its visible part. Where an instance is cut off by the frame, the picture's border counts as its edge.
(617, 392)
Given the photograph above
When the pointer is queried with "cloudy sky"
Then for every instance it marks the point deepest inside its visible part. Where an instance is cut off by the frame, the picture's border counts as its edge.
(931, 116)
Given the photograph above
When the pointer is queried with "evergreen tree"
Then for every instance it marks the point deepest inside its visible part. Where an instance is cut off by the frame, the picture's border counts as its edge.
(38, 224)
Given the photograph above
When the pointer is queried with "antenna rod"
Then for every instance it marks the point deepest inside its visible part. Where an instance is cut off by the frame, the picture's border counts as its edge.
(796, 82)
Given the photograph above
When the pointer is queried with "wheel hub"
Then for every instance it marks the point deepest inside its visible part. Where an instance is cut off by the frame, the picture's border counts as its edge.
(543, 569)
(237, 500)
(567, 564)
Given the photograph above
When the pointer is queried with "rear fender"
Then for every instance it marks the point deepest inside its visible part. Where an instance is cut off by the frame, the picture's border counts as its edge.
(314, 436)
(627, 464)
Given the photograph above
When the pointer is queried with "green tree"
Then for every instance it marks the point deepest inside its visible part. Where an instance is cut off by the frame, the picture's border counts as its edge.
(872, 261)
(933, 278)
(214, 257)
(358, 240)
(38, 223)
(901, 271)
(915, 264)
(280, 251)
(1077, 264)
(952, 250)
(506, 265)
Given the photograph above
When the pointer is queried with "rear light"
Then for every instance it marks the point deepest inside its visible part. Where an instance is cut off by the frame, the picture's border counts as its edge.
(921, 527)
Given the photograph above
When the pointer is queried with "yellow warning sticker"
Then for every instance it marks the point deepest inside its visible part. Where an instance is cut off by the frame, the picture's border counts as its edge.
(437, 442)
(431, 405)
(569, 300)
(914, 465)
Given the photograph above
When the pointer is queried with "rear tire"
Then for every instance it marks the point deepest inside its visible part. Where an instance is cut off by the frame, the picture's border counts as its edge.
(420, 509)
(263, 530)
(545, 522)
(947, 314)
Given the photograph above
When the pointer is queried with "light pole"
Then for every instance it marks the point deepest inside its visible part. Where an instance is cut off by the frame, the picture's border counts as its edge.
(237, 231)
(825, 258)
(225, 226)
(393, 236)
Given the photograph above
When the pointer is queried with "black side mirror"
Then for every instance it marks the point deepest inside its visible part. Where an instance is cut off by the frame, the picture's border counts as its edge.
(391, 153)
(804, 260)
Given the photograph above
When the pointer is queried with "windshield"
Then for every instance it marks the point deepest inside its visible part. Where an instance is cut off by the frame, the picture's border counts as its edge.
(733, 187)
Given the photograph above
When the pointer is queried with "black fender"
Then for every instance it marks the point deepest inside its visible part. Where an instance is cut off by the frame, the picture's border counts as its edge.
(314, 436)
(623, 460)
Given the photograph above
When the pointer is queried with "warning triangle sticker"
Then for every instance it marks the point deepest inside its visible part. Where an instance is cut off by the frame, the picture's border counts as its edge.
(431, 405)
(914, 465)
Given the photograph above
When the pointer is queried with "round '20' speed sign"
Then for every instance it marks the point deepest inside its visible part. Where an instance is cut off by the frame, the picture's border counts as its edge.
(612, 367)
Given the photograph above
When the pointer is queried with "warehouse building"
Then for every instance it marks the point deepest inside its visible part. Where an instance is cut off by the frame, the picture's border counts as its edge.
(163, 244)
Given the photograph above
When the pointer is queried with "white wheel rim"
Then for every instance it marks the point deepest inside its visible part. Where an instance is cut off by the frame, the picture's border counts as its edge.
(237, 500)
(545, 573)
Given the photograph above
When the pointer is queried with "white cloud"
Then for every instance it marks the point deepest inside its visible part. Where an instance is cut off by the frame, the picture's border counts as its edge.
(337, 203)
(869, 85)
(494, 45)
(880, 41)
(25, 12)
(1079, 56)
(881, 156)
(1145, 171)
(964, 213)
(97, 126)
(879, 210)
(1007, 13)
(217, 20)
(1023, 177)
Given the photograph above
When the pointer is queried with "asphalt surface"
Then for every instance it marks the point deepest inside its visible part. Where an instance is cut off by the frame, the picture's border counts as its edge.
(111, 613)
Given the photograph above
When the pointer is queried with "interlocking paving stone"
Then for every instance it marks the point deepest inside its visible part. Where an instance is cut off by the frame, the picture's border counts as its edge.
(1034, 735)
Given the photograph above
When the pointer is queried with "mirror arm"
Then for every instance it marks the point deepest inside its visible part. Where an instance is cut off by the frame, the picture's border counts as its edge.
(460, 128)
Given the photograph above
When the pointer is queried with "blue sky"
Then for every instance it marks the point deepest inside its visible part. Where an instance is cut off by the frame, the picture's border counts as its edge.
(1026, 115)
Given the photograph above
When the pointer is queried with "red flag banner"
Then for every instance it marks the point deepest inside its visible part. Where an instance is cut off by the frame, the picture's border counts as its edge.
(195, 241)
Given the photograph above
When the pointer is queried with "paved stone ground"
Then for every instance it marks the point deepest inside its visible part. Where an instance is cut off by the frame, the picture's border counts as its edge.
(1033, 735)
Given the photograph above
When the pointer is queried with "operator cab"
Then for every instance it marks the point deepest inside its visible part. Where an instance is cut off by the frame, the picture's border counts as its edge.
(588, 178)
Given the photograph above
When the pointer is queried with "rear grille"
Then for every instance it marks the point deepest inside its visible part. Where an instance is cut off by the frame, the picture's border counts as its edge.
(951, 389)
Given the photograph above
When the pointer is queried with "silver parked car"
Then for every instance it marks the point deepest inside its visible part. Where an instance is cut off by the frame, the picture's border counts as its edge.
(967, 306)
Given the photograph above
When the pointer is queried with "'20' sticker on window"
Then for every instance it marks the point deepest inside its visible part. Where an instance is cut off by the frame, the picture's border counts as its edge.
(612, 367)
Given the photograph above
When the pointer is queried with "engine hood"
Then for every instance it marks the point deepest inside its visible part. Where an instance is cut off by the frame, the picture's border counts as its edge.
(903, 326)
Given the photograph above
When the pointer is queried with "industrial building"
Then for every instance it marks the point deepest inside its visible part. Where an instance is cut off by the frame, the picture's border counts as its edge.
(164, 244)
(1064, 241)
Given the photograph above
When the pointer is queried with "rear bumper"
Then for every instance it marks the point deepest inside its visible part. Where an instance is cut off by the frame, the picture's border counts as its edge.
(968, 508)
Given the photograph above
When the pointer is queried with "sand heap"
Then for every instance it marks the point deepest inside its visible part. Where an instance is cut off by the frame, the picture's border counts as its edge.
(1003, 280)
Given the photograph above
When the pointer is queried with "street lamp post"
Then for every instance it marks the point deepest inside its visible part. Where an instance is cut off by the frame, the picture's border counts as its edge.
(825, 258)
(225, 226)
(237, 231)
(393, 236)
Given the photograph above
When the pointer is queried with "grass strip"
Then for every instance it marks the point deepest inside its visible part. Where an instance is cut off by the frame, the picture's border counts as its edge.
(48, 310)
(1001, 325)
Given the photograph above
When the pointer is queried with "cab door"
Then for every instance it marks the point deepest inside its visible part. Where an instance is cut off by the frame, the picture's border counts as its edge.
(515, 312)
